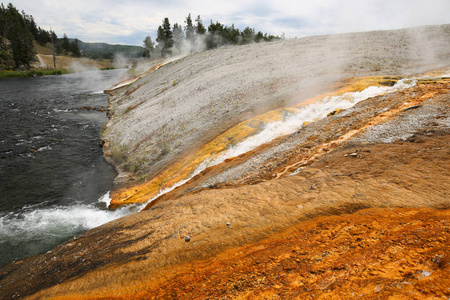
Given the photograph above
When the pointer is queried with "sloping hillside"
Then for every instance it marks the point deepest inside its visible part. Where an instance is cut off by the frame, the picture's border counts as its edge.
(90, 50)
(168, 115)
(267, 195)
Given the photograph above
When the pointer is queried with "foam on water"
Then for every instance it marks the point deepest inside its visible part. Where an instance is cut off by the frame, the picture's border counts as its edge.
(32, 229)
(53, 221)
(106, 198)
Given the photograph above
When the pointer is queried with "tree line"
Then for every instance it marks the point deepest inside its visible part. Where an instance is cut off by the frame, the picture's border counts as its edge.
(194, 36)
(17, 33)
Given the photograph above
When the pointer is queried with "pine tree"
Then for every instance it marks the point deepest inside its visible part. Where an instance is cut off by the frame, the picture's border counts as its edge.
(75, 49)
(248, 35)
(232, 35)
(189, 29)
(149, 46)
(178, 36)
(216, 34)
(165, 37)
(160, 36)
(199, 28)
(17, 40)
(43, 37)
(168, 35)
(6, 57)
(66, 43)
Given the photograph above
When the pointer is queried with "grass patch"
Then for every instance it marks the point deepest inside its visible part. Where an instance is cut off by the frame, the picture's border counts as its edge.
(31, 73)
(164, 150)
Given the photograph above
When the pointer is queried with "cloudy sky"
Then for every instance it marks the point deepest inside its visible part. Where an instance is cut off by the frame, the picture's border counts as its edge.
(129, 21)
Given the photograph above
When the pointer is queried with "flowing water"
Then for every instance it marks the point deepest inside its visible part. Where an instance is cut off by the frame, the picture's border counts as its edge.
(292, 123)
(54, 181)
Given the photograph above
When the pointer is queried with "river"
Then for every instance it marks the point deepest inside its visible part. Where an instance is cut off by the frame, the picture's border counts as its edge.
(53, 177)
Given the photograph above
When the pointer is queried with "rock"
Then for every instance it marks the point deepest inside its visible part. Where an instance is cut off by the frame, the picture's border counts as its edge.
(334, 112)
(187, 238)
(412, 107)
(388, 82)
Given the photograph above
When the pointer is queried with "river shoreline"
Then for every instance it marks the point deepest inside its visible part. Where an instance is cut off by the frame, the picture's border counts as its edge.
(31, 73)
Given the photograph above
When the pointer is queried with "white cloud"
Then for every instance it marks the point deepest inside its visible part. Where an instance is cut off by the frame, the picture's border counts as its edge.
(130, 21)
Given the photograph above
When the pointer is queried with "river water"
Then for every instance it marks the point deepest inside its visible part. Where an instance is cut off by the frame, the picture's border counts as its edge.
(53, 177)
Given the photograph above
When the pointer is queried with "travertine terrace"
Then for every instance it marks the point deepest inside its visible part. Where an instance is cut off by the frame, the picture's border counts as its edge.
(354, 204)
(169, 114)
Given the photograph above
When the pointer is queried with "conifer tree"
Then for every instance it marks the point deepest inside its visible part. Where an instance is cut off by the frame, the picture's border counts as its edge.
(165, 37)
(178, 36)
(66, 43)
(199, 28)
(160, 39)
(149, 46)
(168, 35)
(248, 35)
(75, 49)
(189, 29)
(17, 40)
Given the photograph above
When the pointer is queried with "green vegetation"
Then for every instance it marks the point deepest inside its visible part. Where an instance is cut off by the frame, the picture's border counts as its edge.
(18, 35)
(21, 38)
(31, 73)
(172, 40)
(66, 47)
(107, 51)
(16, 38)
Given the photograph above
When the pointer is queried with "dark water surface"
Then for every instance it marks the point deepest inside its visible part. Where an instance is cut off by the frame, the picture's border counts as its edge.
(52, 172)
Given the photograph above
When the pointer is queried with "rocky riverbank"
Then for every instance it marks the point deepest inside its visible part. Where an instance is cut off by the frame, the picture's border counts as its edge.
(354, 203)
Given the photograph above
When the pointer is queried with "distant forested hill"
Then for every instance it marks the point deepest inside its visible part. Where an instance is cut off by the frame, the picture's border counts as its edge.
(107, 51)
(20, 36)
